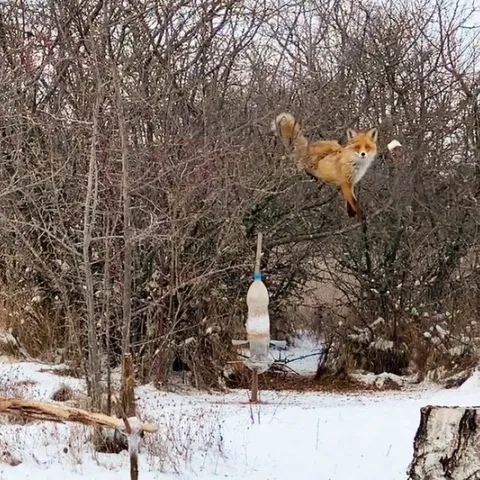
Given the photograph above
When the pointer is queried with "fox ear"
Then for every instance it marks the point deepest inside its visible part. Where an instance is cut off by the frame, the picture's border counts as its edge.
(373, 134)
(350, 134)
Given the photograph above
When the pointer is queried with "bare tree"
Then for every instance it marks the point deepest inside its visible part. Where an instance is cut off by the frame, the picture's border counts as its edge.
(172, 102)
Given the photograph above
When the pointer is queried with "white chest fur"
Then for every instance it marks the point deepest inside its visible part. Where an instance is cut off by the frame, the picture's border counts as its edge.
(360, 166)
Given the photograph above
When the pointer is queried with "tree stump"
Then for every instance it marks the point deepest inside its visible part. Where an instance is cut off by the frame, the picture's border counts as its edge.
(447, 444)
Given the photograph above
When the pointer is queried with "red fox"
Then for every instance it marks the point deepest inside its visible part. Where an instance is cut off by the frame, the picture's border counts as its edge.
(329, 161)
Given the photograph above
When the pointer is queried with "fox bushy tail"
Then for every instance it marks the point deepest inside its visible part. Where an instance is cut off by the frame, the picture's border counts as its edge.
(291, 135)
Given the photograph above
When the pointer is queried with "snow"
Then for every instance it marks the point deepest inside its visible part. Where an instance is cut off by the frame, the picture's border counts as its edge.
(393, 145)
(380, 380)
(302, 357)
(220, 435)
(471, 386)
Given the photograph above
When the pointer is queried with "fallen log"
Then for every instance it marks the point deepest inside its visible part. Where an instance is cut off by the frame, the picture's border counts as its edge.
(53, 412)
(446, 444)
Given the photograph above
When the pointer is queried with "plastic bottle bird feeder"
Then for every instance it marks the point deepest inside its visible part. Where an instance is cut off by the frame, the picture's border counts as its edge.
(258, 322)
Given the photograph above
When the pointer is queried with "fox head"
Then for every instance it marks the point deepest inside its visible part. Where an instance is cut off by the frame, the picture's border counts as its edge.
(364, 144)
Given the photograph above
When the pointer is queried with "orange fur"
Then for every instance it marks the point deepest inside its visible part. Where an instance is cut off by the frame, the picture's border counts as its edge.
(329, 161)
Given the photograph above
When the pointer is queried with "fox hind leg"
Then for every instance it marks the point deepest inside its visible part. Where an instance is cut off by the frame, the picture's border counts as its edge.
(356, 213)
(350, 210)
(353, 207)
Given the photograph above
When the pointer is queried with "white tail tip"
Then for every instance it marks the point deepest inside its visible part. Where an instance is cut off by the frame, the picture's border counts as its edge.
(281, 117)
(393, 145)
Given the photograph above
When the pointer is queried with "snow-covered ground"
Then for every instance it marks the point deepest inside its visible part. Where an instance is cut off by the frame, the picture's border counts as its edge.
(220, 436)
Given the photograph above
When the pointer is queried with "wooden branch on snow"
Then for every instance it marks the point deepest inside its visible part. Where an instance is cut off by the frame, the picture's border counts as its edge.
(53, 412)
(446, 444)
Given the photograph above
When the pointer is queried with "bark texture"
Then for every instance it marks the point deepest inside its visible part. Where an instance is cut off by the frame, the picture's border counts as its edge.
(447, 444)
(41, 410)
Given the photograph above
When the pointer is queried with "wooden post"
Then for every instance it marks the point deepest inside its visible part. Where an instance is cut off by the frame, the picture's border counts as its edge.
(258, 256)
(128, 386)
(254, 390)
(134, 431)
(133, 462)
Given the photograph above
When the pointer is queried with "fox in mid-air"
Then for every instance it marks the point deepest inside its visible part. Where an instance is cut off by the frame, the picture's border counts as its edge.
(329, 161)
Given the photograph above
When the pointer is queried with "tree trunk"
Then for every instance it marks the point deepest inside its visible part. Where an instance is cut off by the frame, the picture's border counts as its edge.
(446, 444)
(90, 211)
(128, 399)
(127, 200)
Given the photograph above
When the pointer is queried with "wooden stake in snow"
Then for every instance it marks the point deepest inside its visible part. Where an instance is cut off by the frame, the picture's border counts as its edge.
(446, 444)
(258, 324)
(134, 431)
